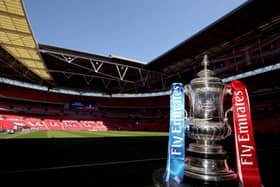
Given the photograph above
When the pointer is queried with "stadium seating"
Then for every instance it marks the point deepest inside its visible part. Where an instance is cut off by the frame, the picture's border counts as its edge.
(136, 115)
(22, 93)
(47, 110)
(255, 54)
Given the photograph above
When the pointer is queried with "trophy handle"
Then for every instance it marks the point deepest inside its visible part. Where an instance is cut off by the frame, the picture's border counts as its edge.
(186, 119)
(187, 89)
(187, 92)
(226, 114)
(226, 121)
(228, 91)
(186, 114)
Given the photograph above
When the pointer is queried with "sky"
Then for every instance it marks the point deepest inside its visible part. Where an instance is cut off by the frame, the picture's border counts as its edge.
(137, 29)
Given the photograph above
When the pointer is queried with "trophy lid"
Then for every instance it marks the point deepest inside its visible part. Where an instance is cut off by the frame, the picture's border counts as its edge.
(206, 75)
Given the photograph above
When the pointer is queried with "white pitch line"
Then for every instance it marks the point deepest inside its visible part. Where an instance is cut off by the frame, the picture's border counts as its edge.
(84, 165)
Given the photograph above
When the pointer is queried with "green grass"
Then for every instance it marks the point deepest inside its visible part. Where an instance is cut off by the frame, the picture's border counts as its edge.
(81, 134)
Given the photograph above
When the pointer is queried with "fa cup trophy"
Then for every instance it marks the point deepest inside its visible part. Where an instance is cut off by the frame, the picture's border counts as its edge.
(206, 124)
(204, 159)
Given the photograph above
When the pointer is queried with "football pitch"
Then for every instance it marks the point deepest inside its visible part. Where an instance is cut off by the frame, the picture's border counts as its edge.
(81, 134)
(83, 158)
(104, 158)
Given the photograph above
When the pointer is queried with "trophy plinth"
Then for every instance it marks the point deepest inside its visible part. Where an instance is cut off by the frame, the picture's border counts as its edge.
(188, 182)
(206, 124)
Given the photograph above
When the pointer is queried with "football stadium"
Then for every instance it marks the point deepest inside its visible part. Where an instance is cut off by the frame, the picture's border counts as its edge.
(69, 117)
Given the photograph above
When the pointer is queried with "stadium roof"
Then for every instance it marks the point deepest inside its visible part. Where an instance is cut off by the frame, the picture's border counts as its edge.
(112, 74)
(17, 39)
(246, 22)
(80, 70)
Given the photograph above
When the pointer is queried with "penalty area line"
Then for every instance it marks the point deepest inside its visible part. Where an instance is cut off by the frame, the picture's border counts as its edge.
(83, 165)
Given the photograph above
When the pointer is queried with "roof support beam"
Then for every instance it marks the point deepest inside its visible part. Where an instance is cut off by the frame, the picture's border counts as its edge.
(88, 79)
(68, 59)
(143, 79)
(91, 70)
(93, 59)
(78, 74)
(163, 82)
(67, 76)
(96, 66)
(106, 84)
(121, 74)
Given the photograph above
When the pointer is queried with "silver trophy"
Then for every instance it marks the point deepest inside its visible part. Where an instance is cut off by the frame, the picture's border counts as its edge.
(206, 124)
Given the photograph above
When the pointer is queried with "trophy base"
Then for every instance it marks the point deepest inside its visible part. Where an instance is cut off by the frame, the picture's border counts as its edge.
(192, 182)
(189, 182)
(208, 168)
(207, 178)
